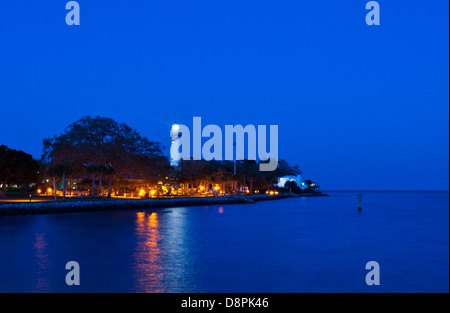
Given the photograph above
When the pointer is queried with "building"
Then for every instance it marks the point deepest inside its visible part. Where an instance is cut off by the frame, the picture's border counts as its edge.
(295, 178)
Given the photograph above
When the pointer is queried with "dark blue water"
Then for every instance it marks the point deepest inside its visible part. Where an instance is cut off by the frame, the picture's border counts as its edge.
(319, 244)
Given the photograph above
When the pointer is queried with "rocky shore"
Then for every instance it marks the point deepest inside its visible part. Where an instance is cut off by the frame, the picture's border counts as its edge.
(88, 205)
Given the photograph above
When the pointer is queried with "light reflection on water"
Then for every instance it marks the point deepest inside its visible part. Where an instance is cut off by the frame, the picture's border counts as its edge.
(161, 260)
(180, 257)
(292, 245)
(147, 268)
(42, 262)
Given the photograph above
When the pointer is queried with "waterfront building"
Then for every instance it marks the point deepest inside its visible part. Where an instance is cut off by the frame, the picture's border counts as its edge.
(295, 178)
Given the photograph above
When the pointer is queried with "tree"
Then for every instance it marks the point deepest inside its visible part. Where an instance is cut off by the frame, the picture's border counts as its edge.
(284, 168)
(59, 171)
(198, 172)
(248, 170)
(311, 186)
(223, 177)
(103, 143)
(54, 173)
(66, 170)
(16, 167)
(101, 169)
(292, 187)
(92, 169)
(109, 170)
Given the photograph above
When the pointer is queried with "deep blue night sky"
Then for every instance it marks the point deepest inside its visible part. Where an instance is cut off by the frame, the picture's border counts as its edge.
(358, 107)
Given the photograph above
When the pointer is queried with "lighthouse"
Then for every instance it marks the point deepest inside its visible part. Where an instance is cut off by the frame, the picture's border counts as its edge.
(174, 153)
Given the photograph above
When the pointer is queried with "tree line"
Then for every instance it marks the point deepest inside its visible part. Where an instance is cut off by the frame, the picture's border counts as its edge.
(99, 149)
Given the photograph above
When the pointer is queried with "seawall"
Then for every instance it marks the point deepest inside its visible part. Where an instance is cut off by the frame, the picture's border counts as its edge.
(88, 205)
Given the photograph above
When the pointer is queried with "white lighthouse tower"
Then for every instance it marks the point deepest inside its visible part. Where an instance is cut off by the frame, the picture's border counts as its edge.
(175, 155)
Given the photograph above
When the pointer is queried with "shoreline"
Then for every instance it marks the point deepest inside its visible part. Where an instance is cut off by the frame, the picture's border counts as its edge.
(92, 205)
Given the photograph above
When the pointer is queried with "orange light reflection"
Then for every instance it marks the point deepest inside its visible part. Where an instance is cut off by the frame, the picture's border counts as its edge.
(148, 269)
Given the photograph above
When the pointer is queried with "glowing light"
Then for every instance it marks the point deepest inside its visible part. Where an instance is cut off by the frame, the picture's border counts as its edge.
(216, 188)
(267, 192)
(153, 192)
(49, 190)
(141, 192)
(202, 188)
(276, 192)
(272, 192)
(39, 191)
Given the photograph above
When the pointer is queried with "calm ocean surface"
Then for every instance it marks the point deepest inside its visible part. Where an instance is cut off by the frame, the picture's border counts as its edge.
(318, 244)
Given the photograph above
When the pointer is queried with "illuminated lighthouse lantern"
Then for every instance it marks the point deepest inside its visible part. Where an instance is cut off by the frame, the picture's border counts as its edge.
(174, 153)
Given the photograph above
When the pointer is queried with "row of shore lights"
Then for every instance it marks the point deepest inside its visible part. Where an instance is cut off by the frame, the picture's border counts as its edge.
(143, 191)
(49, 190)
(152, 192)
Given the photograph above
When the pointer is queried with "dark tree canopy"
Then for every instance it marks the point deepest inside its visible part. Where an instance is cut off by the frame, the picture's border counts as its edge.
(284, 168)
(247, 172)
(194, 171)
(103, 141)
(17, 167)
